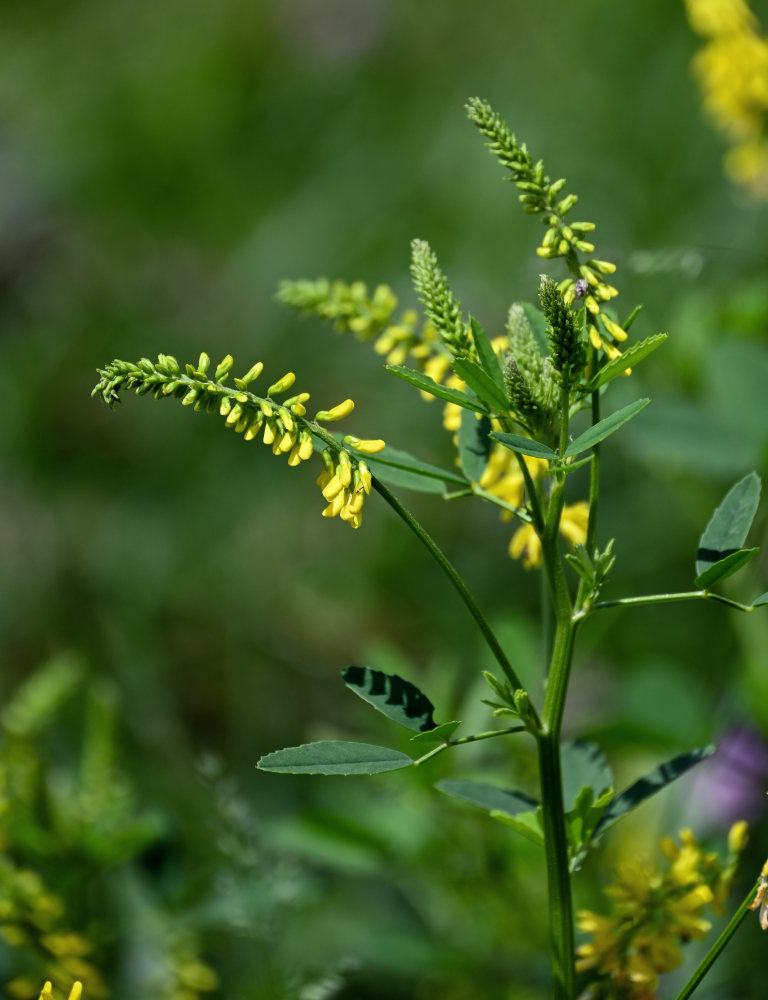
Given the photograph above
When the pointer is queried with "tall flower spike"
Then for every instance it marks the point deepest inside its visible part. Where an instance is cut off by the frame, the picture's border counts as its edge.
(540, 196)
(439, 304)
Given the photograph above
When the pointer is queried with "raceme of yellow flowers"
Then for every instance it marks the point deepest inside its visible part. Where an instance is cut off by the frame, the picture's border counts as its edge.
(654, 912)
(345, 479)
(732, 71)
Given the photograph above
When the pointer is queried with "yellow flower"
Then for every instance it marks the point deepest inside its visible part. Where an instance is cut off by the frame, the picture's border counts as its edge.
(719, 17)
(732, 70)
(74, 994)
(526, 544)
(654, 912)
(344, 486)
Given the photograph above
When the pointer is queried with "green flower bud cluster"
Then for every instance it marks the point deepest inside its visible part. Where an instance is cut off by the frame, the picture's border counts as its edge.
(351, 309)
(282, 425)
(439, 304)
(529, 378)
(540, 196)
(569, 355)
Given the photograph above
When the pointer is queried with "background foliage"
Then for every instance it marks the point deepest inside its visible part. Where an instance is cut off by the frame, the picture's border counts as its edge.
(163, 166)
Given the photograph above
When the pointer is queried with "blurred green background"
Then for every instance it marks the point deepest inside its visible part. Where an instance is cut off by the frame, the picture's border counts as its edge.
(163, 166)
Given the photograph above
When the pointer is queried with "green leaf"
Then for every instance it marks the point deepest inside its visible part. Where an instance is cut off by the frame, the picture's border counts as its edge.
(512, 808)
(486, 353)
(487, 796)
(584, 764)
(401, 469)
(727, 529)
(474, 445)
(527, 824)
(653, 782)
(632, 356)
(604, 428)
(394, 697)
(482, 384)
(760, 601)
(334, 757)
(427, 384)
(526, 446)
(437, 735)
(724, 568)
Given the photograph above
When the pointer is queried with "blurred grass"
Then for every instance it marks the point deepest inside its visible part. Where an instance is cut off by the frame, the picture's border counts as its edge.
(163, 167)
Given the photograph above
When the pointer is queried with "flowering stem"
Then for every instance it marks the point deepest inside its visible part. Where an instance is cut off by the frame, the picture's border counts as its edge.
(439, 556)
(714, 952)
(558, 878)
(548, 742)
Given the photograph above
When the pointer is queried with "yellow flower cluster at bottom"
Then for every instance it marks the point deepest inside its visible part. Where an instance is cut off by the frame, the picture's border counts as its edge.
(654, 912)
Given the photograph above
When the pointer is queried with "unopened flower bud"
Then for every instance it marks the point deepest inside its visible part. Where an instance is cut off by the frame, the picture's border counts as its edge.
(282, 385)
(224, 368)
(338, 412)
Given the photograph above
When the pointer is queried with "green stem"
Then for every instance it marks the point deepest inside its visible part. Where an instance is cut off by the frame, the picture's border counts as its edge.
(468, 739)
(560, 909)
(487, 735)
(714, 952)
(550, 777)
(684, 595)
(439, 556)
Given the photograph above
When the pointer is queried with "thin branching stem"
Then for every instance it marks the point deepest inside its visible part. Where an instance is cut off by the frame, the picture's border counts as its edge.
(683, 595)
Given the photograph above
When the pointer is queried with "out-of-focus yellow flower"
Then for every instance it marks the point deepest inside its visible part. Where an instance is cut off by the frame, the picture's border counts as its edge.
(654, 912)
(74, 994)
(526, 544)
(719, 17)
(732, 70)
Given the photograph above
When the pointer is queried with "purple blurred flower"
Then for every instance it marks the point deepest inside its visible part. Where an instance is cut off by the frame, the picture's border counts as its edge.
(732, 784)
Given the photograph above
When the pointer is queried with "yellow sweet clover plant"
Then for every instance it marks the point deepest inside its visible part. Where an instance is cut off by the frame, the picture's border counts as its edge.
(731, 68)
(511, 400)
